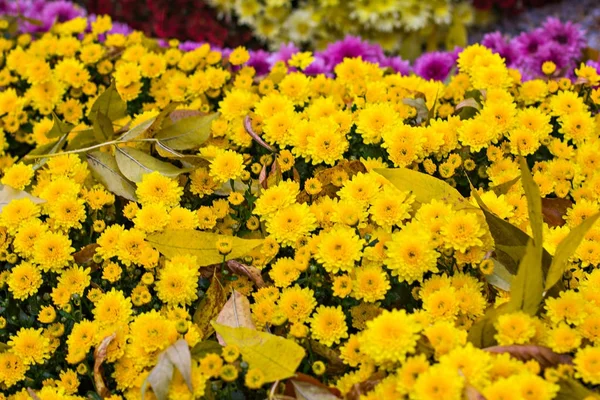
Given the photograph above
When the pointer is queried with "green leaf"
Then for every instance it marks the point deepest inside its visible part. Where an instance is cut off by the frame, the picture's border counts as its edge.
(425, 187)
(527, 288)
(534, 205)
(159, 378)
(84, 138)
(105, 169)
(103, 128)
(200, 244)
(59, 128)
(137, 130)
(8, 194)
(276, 357)
(110, 104)
(3, 347)
(180, 356)
(187, 133)
(135, 163)
(149, 126)
(481, 334)
(503, 188)
(571, 389)
(565, 250)
(505, 234)
(206, 347)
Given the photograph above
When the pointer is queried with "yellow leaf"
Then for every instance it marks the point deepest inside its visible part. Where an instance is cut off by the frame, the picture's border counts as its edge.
(527, 288)
(135, 163)
(187, 133)
(209, 307)
(236, 313)
(425, 187)
(105, 169)
(276, 357)
(199, 244)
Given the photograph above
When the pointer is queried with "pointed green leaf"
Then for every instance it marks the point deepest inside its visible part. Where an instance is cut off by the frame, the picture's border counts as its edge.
(135, 163)
(482, 332)
(84, 138)
(277, 357)
(425, 187)
(103, 128)
(572, 389)
(534, 204)
(527, 288)
(206, 347)
(105, 169)
(565, 250)
(503, 188)
(110, 104)
(149, 126)
(187, 133)
(200, 244)
(137, 130)
(59, 128)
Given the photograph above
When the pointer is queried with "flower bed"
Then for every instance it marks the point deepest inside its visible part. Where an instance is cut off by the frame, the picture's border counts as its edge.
(184, 227)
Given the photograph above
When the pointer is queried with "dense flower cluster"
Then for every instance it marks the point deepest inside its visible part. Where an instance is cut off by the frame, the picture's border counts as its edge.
(397, 26)
(560, 43)
(160, 204)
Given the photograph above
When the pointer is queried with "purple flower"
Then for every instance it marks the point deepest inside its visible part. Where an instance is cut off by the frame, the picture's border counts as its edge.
(285, 52)
(120, 28)
(352, 47)
(499, 44)
(567, 35)
(550, 52)
(259, 60)
(435, 65)
(59, 11)
(594, 64)
(397, 64)
(318, 66)
(528, 43)
(189, 45)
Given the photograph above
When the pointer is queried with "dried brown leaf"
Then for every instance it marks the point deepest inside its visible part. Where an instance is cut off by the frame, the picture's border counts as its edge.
(86, 254)
(251, 272)
(543, 355)
(554, 210)
(99, 357)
